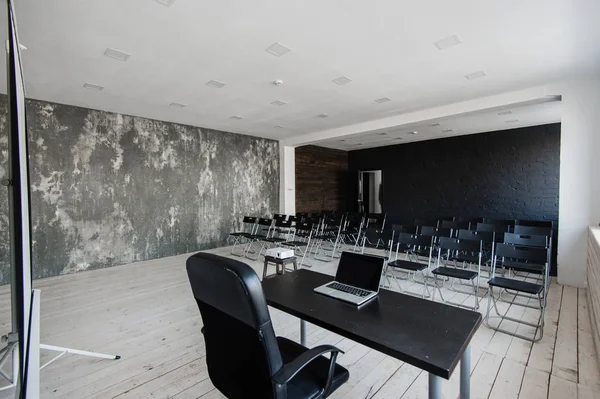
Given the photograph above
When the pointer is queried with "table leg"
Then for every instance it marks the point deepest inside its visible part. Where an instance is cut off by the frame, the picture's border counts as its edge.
(302, 332)
(465, 374)
(435, 386)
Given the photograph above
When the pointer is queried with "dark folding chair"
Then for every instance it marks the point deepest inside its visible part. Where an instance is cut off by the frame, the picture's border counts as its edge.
(508, 224)
(450, 247)
(376, 220)
(532, 255)
(243, 236)
(380, 240)
(412, 245)
(488, 240)
(328, 241)
(497, 229)
(401, 228)
(538, 231)
(455, 226)
(263, 230)
(244, 357)
(549, 224)
(420, 223)
(301, 240)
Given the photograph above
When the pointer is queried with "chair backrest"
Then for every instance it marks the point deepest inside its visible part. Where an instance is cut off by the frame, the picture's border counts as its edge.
(265, 221)
(531, 254)
(449, 224)
(425, 222)
(283, 223)
(435, 231)
(456, 244)
(549, 224)
(279, 216)
(526, 240)
(498, 229)
(533, 230)
(241, 348)
(305, 227)
(249, 219)
(502, 222)
(485, 236)
(414, 240)
(399, 228)
(293, 218)
(473, 221)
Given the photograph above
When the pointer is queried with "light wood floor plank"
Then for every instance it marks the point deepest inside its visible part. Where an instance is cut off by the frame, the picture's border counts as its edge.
(564, 364)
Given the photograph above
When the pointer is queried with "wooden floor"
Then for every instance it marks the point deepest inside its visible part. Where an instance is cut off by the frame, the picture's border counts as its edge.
(145, 312)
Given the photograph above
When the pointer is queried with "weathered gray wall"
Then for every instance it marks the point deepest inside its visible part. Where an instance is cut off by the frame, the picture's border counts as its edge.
(110, 189)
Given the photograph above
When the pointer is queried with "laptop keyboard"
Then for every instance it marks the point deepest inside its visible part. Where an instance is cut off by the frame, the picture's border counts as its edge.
(348, 289)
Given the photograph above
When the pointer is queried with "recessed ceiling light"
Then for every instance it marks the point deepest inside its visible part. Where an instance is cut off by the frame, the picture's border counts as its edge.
(93, 86)
(398, 138)
(448, 131)
(177, 105)
(447, 42)
(215, 84)
(342, 140)
(342, 80)
(280, 126)
(505, 112)
(476, 75)
(434, 125)
(512, 121)
(322, 116)
(357, 144)
(382, 134)
(383, 100)
(278, 103)
(117, 54)
(278, 49)
(237, 118)
(414, 132)
(165, 2)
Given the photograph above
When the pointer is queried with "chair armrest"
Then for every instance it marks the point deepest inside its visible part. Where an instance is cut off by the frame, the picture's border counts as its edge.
(289, 370)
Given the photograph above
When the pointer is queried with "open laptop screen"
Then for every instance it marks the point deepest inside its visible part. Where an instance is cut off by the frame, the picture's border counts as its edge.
(358, 270)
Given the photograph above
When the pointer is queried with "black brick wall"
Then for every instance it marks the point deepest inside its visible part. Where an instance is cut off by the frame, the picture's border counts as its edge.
(509, 174)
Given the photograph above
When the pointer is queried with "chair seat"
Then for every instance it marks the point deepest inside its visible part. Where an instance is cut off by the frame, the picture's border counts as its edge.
(274, 239)
(241, 234)
(523, 267)
(465, 258)
(407, 265)
(461, 274)
(294, 243)
(310, 380)
(516, 285)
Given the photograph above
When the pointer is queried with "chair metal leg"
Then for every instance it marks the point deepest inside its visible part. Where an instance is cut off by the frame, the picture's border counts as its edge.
(302, 332)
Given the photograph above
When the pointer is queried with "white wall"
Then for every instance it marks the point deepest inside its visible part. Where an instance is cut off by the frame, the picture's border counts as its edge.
(287, 179)
(579, 202)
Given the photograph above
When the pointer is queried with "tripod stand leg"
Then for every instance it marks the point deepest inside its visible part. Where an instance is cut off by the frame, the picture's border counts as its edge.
(64, 351)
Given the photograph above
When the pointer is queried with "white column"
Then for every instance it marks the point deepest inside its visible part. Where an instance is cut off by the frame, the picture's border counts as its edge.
(287, 179)
(579, 202)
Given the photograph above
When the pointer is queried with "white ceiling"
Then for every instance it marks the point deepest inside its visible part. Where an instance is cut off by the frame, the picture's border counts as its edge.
(532, 114)
(385, 46)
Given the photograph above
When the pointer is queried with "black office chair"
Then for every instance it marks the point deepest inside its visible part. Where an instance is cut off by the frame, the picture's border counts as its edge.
(244, 357)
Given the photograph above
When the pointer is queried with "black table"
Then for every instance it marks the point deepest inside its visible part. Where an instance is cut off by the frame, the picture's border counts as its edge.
(423, 333)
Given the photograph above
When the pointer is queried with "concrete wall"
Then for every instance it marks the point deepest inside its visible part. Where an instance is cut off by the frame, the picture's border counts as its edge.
(109, 189)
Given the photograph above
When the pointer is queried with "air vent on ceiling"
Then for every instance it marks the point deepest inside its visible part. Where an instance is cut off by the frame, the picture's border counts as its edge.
(448, 131)
(505, 112)
(358, 144)
(322, 116)
(383, 100)
(512, 121)
(398, 138)
(215, 83)
(382, 134)
(278, 49)
(434, 125)
(237, 118)
(279, 103)
(93, 86)
(342, 80)
(117, 54)
(165, 2)
(447, 42)
(280, 126)
(476, 75)
(177, 105)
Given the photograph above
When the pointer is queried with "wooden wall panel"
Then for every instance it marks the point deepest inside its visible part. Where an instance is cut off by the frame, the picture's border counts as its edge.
(321, 179)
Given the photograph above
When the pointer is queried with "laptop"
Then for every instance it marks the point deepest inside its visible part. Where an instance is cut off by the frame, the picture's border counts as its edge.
(357, 278)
